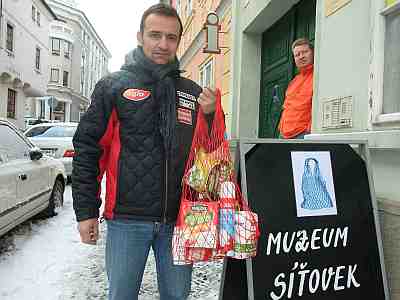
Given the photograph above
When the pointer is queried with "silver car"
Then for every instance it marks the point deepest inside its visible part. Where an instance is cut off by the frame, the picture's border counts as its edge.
(55, 140)
(30, 183)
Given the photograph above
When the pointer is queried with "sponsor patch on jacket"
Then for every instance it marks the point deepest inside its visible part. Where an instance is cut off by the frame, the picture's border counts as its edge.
(185, 116)
(186, 95)
(136, 94)
(187, 103)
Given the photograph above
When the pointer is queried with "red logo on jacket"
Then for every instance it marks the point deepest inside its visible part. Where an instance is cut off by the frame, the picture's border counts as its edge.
(136, 94)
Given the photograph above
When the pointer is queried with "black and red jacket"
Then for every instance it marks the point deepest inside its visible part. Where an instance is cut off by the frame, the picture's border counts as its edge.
(119, 135)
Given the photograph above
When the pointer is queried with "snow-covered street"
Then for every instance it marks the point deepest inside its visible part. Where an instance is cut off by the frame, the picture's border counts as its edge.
(44, 260)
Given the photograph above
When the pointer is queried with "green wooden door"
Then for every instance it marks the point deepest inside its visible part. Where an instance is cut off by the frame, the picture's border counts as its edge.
(277, 62)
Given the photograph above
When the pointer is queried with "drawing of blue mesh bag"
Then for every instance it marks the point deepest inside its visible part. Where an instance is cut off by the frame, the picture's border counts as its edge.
(313, 186)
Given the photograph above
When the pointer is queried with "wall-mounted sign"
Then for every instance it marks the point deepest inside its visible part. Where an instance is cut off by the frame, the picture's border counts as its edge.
(212, 28)
(337, 113)
(332, 6)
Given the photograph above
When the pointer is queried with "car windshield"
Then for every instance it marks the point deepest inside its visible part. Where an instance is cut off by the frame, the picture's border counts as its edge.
(52, 131)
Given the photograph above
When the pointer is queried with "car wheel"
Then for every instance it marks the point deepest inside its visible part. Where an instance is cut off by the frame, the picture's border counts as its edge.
(56, 200)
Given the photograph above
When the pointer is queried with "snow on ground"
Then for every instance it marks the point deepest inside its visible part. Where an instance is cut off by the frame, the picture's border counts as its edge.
(45, 260)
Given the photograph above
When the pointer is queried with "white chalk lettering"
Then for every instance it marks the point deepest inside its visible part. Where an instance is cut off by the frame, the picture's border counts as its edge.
(350, 278)
(286, 247)
(341, 235)
(280, 284)
(313, 283)
(314, 239)
(276, 241)
(327, 242)
(303, 240)
(338, 287)
(302, 243)
(300, 277)
(327, 280)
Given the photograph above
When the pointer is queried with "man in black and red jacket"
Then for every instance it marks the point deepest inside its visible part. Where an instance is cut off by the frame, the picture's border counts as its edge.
(138, 130)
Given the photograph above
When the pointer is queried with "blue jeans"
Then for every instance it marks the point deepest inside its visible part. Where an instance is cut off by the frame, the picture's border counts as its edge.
(127, 248)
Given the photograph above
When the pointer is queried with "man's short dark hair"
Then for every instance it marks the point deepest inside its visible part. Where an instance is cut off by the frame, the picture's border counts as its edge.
(161, 9)
(302, 41)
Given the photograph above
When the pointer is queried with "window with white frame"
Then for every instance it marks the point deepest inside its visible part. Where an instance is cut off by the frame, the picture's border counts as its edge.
(37, 59)
(178, 6)
(207, 74)
(82, 81)
(33, 13)
(67, 49)
(189, 8)
(386, 87)
(55, 46)
(65, 78)
(10, 38)
(54, 75)
(11, 104)
(391, 74)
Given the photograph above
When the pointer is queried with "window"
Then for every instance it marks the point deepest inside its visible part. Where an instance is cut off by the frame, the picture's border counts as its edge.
(55, 46)
(10, 38)
(33, 13)
(37, 59)
(52, 131)
(178, 6)
(207, 74)
(54, 75)
(38, 18)
(391, 75)
(65, 78)
(13, 146)
(82, 81)
(11, 100)
(385, 85)
(189, 8)
(67, 49)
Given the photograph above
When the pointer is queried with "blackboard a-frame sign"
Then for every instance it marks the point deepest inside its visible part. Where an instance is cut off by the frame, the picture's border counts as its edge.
(320, 237)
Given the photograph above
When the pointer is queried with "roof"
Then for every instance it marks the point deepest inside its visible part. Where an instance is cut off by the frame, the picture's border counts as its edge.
(49, 9)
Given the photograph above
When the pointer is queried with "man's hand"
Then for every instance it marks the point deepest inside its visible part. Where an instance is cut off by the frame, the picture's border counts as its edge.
(207, 100)
(89, 231)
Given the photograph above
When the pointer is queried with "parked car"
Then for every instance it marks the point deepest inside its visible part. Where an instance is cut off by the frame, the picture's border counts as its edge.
(30, 182)
(55, 140)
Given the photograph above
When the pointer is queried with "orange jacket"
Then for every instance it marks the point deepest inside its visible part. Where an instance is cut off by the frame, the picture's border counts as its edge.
(296, 115)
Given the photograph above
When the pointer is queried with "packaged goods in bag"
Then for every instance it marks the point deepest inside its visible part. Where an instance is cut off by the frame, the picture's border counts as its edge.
(227, 215)
(200, 220)
(213, 220)
(179, 250)
(246, 235)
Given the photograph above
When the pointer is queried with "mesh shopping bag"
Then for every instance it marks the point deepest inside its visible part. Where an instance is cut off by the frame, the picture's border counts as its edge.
(213, 220)
(315, 193)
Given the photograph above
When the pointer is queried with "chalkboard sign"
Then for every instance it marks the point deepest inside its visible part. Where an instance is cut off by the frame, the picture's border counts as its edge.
(320, 237)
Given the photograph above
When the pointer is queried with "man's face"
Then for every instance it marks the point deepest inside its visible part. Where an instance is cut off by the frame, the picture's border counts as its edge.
(160, 38)
(303, 56)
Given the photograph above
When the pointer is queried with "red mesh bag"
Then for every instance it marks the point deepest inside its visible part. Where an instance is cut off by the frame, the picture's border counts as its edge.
(213, 221)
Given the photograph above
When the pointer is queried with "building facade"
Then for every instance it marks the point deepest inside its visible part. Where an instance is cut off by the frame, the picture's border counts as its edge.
(356, 85)
(208, 70)
(24, 55)
(78, 59)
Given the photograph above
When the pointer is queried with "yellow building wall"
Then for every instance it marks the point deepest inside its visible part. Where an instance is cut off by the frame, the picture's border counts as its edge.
(192, 25)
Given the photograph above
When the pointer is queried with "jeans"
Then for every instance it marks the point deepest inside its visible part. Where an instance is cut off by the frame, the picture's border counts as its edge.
(127, 248)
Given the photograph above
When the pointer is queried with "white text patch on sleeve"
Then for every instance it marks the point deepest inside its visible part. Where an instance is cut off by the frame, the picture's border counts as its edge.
(185, 116)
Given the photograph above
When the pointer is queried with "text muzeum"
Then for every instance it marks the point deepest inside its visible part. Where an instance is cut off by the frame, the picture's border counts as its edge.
(301, 277)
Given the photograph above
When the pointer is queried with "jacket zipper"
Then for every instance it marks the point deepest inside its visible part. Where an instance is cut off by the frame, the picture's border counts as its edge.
(166, 190)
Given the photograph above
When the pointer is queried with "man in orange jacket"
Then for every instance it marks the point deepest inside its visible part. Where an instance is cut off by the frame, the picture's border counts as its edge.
(296, 116)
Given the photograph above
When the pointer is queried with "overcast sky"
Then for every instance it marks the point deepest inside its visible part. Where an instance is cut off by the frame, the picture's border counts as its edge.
(117, 22)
